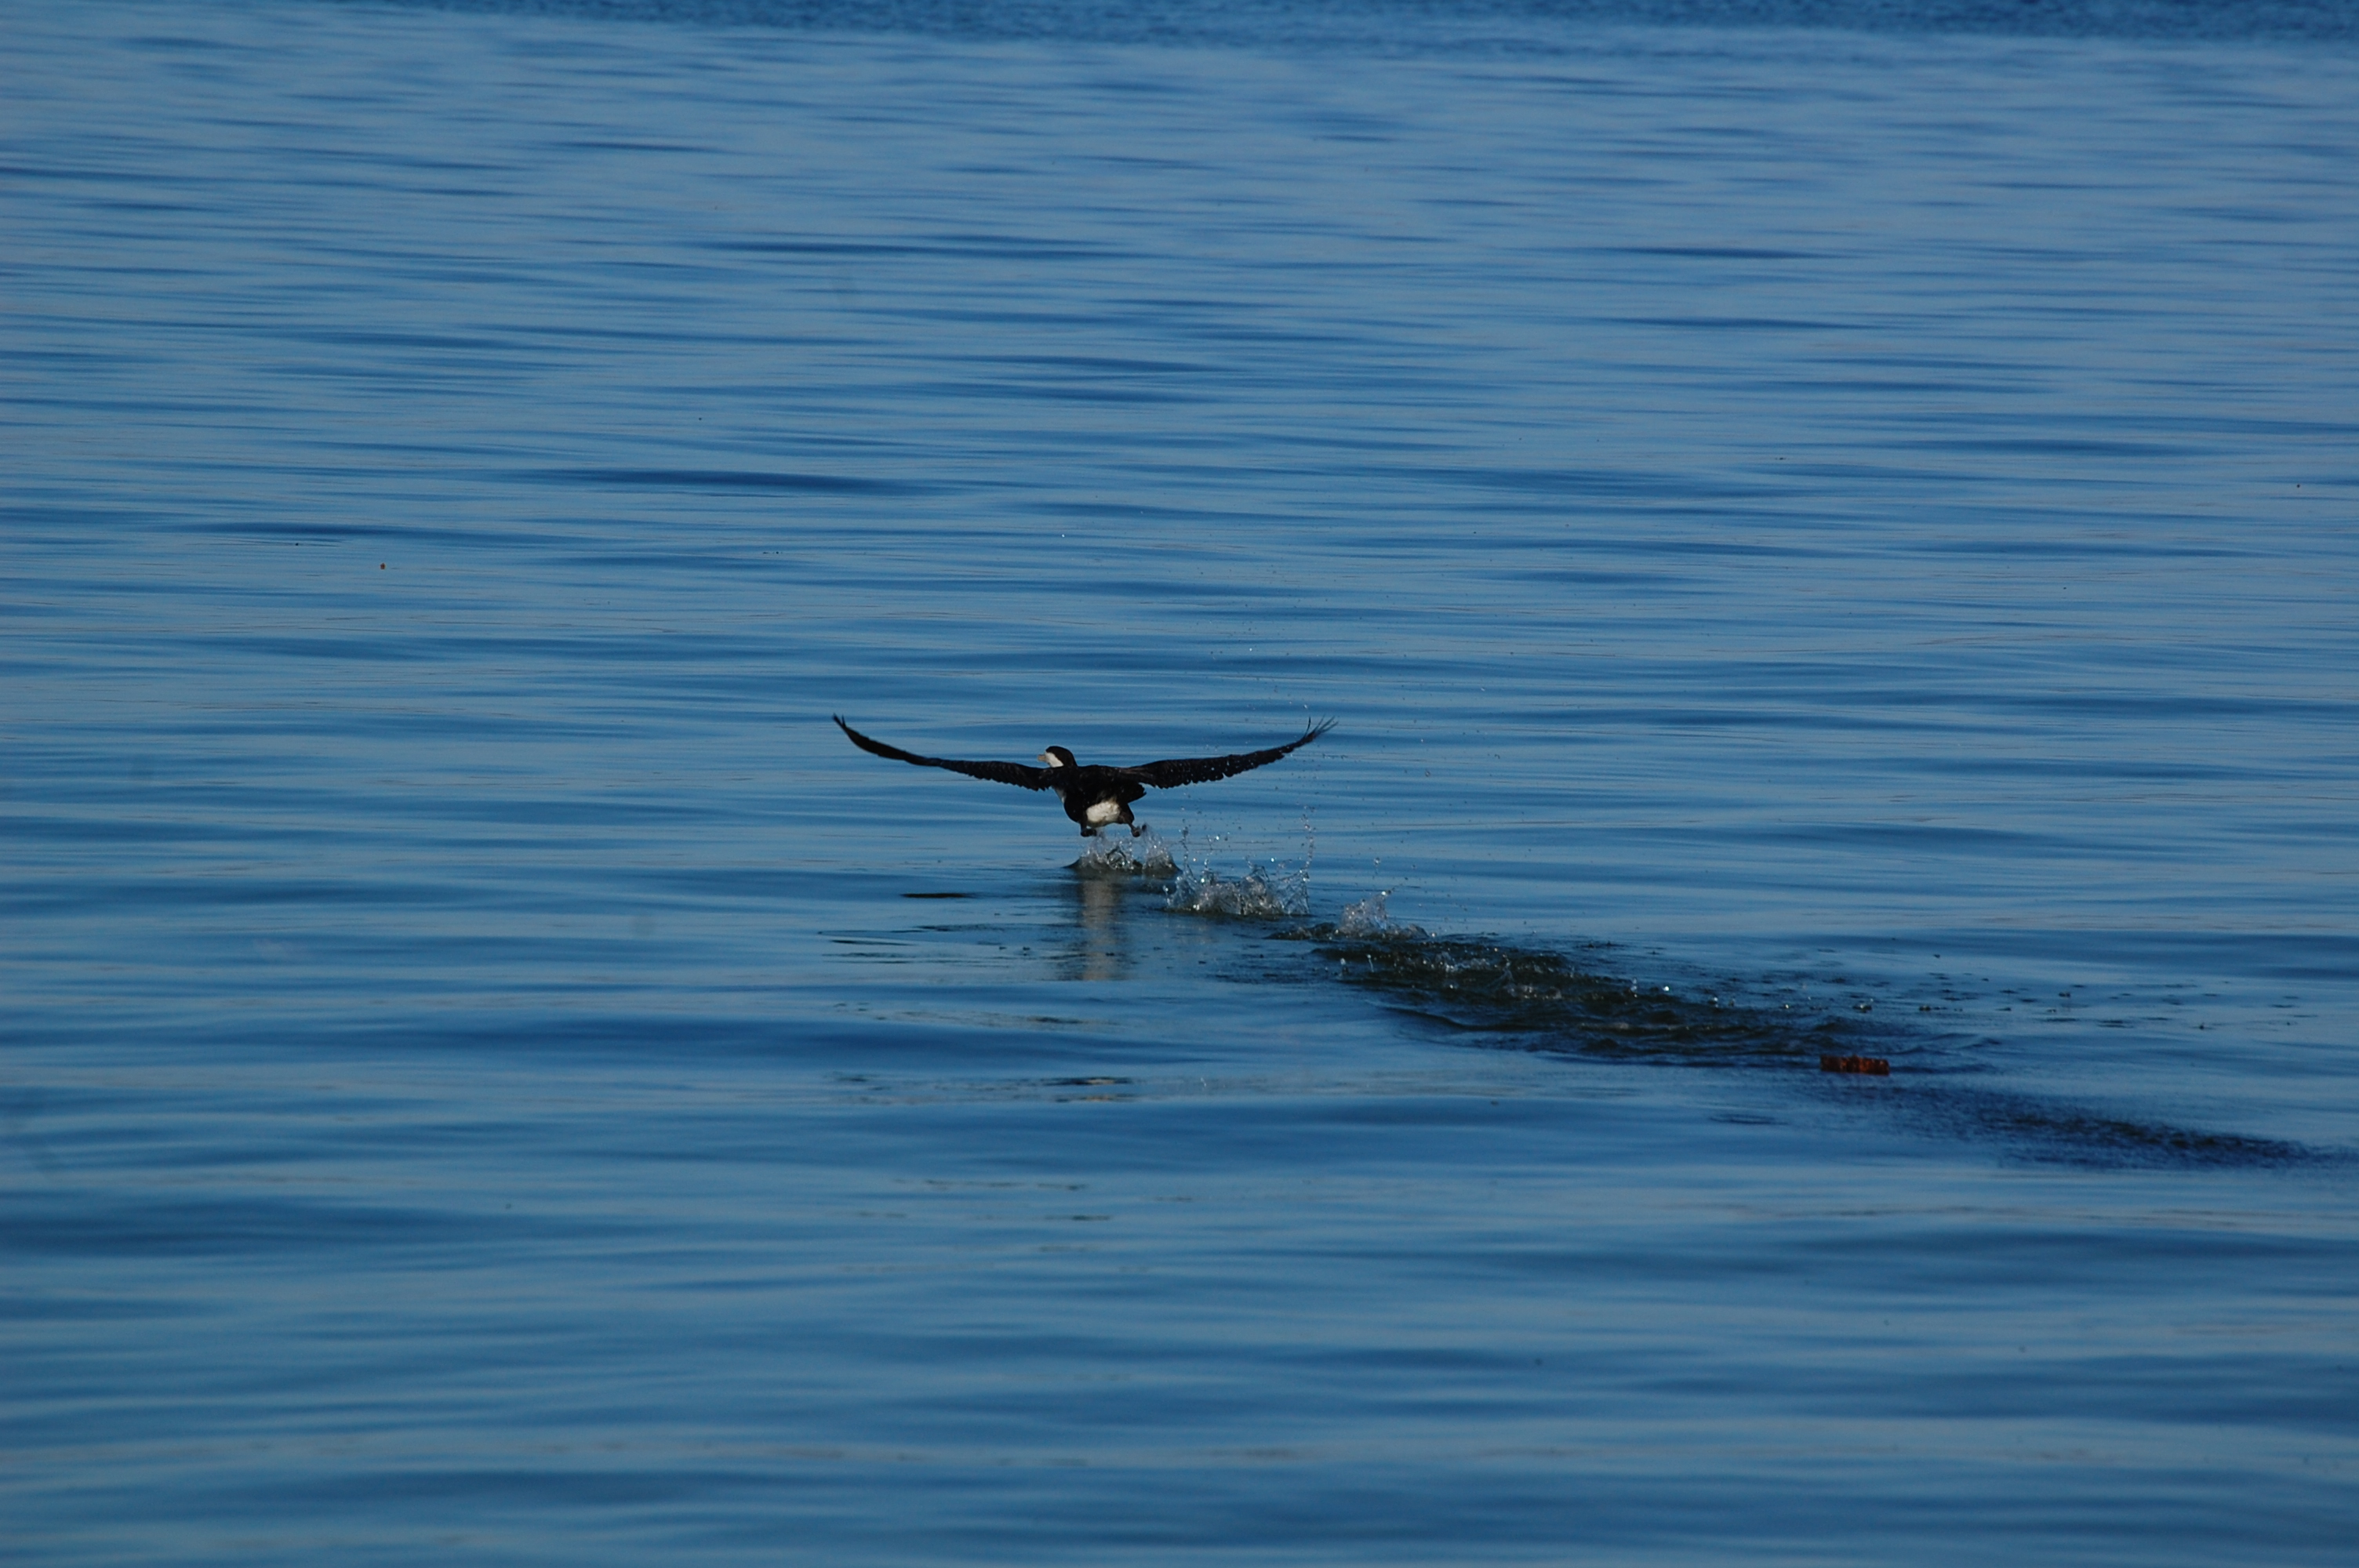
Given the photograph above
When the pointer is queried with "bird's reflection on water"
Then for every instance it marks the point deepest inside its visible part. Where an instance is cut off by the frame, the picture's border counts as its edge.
(1111, 874)
(1098, 949)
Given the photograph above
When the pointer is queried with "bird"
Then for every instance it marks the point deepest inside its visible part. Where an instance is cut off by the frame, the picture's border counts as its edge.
(1096, 796)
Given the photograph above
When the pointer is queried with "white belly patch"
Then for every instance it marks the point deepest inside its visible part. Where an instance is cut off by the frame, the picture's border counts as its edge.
(1104, 812)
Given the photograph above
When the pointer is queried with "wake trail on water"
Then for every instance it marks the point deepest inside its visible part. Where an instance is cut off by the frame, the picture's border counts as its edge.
(1514, 996)
(1543, 1001)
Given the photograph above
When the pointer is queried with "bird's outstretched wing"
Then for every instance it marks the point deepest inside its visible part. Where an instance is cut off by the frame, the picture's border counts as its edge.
(1015, 774)
(1180, 771)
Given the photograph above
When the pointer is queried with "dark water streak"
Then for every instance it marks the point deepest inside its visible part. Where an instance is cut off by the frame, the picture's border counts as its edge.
(1540, 1001)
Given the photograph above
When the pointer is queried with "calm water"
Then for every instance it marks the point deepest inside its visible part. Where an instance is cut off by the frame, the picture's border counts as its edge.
(1817, 542)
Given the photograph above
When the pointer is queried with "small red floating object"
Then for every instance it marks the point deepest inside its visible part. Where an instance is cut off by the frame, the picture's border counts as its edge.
(1874, 1067)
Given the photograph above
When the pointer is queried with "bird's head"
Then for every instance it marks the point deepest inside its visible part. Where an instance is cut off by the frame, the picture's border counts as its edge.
(1056, 757)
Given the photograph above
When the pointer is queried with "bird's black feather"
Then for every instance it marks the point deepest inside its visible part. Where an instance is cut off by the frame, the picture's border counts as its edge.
(1017, 774)
(1179, 770)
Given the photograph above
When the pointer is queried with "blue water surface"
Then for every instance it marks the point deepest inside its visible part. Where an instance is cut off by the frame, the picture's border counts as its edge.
(1828, 531)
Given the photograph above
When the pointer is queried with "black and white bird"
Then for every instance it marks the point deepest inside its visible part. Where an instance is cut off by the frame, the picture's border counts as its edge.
(1095, 796)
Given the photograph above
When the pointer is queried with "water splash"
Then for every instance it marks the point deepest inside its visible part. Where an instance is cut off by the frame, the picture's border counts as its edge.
(1275, 892)
(1370, 921)
(1144, 856)
(1270, 891)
